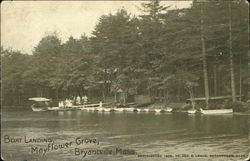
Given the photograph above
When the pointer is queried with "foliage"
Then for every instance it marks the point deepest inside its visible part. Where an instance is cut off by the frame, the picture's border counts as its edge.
(158, 53)
(237, 106)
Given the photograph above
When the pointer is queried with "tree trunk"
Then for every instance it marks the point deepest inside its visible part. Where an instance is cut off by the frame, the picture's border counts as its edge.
(240, 79)
(215, 77)
(205, 70)
(103, 95)
(248, 76)
(57, 94)
(231, 55)
(178, 94)
(19, 99)
(191, 94)
(115, 97)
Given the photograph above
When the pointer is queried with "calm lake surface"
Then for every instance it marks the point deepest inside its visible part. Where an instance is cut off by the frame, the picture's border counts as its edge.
(152, 136)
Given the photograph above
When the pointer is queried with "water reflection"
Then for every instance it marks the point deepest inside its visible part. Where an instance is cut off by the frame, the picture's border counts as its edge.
(144, 132)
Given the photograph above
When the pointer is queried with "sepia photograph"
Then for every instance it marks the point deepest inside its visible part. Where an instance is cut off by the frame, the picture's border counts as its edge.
(152, 80)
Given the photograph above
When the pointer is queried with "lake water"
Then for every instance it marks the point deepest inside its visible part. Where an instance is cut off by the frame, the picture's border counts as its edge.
(123, 136)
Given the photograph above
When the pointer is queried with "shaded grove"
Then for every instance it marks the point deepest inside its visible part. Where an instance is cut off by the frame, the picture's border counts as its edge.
(169, 55)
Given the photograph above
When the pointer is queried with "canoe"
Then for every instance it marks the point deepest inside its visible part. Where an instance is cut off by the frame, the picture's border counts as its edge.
(157, 110)
(144, 110)
(151, 110)
(86, 108)
(119, 109)
(219, 111)
(160, 110)
(191, 111)
(129, 109)
(100, 109)
(91, 109)
(62, 109)
(169, 110)
(53, 108)
(37, 109)
(106, 109)
(180, 112)
(136, 110)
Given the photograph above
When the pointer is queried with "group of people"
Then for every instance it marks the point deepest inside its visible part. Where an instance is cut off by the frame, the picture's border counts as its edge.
(73, 101)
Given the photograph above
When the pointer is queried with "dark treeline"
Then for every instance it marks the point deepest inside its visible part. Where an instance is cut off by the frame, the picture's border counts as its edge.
(170, 55)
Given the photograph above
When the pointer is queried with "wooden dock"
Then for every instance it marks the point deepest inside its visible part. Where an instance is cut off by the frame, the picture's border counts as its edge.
(212, 98)
(91, 105)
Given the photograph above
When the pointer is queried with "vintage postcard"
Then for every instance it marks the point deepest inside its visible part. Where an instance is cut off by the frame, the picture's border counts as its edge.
(125, 80)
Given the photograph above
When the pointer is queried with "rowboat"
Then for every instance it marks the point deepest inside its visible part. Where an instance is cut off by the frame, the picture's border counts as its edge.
(158, 110)
(108, 109)
(128, 109)
(161, 110)
(53, 108)
(100, 109)
(37, 109)
(137, 110)
(40, 103)
(191, 111)
(169, 110)
(119, 109)
(218, 111)
(62, 108)
(144, 110)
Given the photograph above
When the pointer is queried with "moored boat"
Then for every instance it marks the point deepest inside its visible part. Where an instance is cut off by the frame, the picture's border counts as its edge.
(53, 108)
(218, 111)
(160, 110)
(40, 103)
(100, 109)
(129, 109)
(119, 109)
(106, 109)
(37, 109)
(137, 110)
(144, 110)
(191, 111)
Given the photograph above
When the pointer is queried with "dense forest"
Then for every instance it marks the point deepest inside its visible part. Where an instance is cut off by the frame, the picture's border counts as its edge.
(170, 55)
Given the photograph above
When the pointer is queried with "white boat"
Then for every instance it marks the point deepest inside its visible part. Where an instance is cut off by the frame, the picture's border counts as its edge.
(119, 109)
(91, 109)
(53, 108)
(129, 109)
(85, 108)
(169, 110)
(218, 111)
(40, 103)
(160, 110)
(137, 110)
(144, 110)
(107, 109)
(191, 111)
(37, 109)
(100, 109)
(82, 108)
(151, 110)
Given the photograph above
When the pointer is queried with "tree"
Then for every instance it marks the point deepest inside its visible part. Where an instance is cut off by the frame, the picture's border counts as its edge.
(205, 70)
(44, 63)
(231, 54)
(14, 88)
(113, 40)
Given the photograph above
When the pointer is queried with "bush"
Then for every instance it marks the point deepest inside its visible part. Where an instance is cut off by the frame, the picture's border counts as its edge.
(237, 106)
(213, 104)
(200, 105)
(216, 105)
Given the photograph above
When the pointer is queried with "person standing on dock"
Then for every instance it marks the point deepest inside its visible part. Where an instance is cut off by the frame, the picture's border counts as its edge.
(78, 100)
(85, 99)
